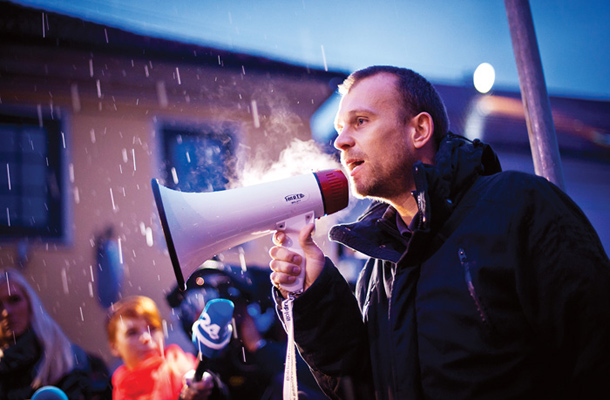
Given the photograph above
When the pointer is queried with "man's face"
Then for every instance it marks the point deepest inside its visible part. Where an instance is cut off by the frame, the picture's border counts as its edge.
(14, 311)
(374, 139)
(136, 341)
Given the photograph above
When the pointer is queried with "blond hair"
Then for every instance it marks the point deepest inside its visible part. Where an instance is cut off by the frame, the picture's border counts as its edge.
(57, 357)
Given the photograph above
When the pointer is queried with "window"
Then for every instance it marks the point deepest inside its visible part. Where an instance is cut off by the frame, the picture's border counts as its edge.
(199, 158)
(31, 179)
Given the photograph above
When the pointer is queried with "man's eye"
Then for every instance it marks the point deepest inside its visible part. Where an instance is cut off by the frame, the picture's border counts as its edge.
(360, 121)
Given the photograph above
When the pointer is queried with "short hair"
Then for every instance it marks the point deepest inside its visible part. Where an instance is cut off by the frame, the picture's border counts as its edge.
(57, 351)
(417, 93)
(132, 307)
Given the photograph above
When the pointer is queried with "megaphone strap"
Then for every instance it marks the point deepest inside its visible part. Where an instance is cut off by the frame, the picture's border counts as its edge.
(290, 368)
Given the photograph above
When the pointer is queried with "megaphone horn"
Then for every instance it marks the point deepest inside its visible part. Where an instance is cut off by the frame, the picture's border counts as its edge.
(197, 226)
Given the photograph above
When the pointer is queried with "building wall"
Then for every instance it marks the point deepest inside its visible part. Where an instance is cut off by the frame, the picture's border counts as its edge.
(113, 152)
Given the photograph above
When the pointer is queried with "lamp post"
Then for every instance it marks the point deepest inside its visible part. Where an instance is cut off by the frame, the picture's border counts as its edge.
(541, 130)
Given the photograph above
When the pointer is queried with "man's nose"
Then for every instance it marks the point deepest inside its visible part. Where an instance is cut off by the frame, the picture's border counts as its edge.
(343, 140)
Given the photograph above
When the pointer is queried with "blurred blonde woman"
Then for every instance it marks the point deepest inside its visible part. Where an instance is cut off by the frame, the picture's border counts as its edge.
(34, 351)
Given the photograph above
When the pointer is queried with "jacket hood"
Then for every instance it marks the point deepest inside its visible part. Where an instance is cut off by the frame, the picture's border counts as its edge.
(460, 161)
(457, 164)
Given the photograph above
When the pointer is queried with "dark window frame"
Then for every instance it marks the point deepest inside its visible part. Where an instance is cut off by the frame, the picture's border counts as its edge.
(219, 140)
(56, 202)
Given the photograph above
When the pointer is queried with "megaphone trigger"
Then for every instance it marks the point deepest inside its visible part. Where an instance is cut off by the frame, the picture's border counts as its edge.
(292, 228)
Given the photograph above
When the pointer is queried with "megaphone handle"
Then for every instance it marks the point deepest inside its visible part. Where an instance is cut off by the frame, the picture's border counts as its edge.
(292, 228)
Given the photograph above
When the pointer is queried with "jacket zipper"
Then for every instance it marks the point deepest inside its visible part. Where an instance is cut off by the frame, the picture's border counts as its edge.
(466, 266)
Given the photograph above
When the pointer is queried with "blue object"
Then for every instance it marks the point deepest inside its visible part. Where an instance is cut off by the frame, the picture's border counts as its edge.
(212, 331)
(109, 272)
(49, 393)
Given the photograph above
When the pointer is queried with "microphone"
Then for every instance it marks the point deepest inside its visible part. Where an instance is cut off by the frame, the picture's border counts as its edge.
(212, 332)
(49, 393)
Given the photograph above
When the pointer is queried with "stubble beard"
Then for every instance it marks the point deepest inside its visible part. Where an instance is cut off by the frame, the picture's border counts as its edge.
(386, 184)
(380, 187)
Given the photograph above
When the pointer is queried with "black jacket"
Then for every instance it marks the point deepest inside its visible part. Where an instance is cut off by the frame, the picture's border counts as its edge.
(19, 366)
(501, 292)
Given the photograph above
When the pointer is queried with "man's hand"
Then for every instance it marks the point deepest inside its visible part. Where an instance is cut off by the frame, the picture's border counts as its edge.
(286, 264)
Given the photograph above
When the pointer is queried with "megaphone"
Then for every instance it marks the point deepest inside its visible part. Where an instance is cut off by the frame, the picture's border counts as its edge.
(198, 226)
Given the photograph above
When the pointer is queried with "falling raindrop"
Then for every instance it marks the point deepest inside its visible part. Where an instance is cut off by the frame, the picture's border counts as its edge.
(76, 105)
(112, 199)
(92, 134)
(120, 251)
(324, 58)
(133, 155)
(71, 172)
(99, 88)
(178, 76)
(149, 237)
(8, 175)
(162, 94)
(64, 281)
(165, 333)
(255, 118)
(242, 259)
(39, 111)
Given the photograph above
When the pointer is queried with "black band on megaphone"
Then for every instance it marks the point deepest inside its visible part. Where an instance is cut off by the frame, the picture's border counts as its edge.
(168, 236)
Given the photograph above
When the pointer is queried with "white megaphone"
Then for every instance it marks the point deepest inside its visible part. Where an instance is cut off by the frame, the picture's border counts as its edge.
(198, 226)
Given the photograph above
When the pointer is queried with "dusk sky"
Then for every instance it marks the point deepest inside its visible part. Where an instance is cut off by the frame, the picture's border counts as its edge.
(443, 40)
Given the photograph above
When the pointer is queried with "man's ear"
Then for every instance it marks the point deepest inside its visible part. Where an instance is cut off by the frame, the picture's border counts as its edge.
(424, 129)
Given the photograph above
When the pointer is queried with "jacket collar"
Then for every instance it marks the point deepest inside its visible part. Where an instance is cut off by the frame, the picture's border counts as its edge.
(439, 188)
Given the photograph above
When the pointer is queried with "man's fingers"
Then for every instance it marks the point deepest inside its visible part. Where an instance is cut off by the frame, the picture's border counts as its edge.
(285, 255)
(279, 237)
(305, 236)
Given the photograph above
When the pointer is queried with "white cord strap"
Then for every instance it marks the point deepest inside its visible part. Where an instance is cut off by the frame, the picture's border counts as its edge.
(290, 368)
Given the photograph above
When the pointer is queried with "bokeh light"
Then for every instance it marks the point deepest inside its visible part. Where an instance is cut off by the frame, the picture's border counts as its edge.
(484, 77)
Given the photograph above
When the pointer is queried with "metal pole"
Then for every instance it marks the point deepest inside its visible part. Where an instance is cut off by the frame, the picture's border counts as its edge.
(540, 127)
